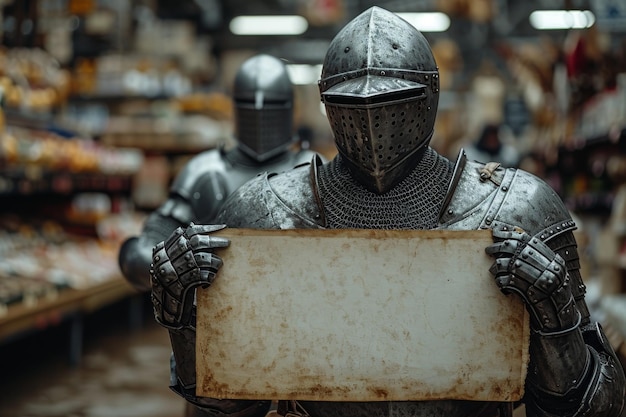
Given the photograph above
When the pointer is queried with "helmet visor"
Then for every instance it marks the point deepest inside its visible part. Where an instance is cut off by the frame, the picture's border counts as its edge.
(372, 90)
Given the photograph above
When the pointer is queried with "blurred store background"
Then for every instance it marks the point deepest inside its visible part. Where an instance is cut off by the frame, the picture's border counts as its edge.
(103, 101)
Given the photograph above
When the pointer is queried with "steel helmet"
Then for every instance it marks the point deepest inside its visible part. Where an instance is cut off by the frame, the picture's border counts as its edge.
(263, 96)
(380, 88)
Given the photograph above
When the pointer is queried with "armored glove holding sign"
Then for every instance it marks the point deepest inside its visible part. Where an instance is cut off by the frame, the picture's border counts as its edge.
(184, 262)
(181, 264)
(527, 266)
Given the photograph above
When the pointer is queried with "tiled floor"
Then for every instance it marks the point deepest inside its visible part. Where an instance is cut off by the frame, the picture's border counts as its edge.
(123, 372)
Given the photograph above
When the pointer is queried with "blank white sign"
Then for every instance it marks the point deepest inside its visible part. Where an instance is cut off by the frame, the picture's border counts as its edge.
(359, 315)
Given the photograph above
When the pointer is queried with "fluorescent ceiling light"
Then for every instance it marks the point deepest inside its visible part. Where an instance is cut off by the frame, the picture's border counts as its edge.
(268, 25)
(303, 74)
(427, 22)
(562, 19)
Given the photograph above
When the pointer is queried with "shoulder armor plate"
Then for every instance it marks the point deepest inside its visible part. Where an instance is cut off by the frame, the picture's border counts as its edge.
(275, 201)
(485, 196)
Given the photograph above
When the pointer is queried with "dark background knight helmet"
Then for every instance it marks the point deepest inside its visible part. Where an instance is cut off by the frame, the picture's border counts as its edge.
(380, 87)
(263, 96)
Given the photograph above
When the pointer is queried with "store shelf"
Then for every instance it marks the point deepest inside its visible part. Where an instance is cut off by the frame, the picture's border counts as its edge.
(62, 183)
(70, 305)
(588, 172)
(113, 98)
(159, 143)
(46, 312)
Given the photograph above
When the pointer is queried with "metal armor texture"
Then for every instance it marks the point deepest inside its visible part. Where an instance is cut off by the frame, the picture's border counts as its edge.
(380, 87)
(196, 195)
(264, 105)
(573, 371)
(386, 176)
(348, 205)
(263, 96)
(180, 264)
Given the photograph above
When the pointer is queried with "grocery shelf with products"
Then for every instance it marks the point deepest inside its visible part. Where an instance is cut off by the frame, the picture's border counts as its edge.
(91, 127)
(64, 207)
(590, 171)
(57, 263)
(61, 220)
(48, 277)
(86, 150)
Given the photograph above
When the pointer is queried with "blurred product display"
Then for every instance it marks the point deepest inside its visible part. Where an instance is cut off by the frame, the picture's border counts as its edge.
(61, 262)
(104, 102)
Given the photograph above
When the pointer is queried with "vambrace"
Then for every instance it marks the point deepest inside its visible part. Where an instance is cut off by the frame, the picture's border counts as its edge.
(178, 209)
(213, 407)
(598, 391)
(560, 238)
(180, 264)
(577, 373)
(135, 254)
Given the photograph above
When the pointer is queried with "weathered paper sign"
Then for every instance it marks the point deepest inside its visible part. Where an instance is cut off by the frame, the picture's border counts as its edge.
(348, 315)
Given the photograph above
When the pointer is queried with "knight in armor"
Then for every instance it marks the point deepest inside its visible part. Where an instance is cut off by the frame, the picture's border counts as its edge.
(380, 87)
(263, 106)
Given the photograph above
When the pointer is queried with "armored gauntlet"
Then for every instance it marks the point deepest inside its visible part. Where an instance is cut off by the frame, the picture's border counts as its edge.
(528, 267)
(180, 264)
(573, 371)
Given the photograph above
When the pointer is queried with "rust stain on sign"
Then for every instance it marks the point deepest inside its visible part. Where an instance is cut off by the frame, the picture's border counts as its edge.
(350, 315)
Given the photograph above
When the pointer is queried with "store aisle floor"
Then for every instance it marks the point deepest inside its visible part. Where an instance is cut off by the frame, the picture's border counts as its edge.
(122, 373)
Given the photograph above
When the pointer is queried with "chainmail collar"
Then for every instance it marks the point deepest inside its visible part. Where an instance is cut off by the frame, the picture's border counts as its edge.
(412, 204)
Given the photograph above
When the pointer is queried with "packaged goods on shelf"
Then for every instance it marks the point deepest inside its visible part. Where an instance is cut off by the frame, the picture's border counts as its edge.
(36, 265)
(189, 133)
(32, 79)
(128, 75)
(47, 150)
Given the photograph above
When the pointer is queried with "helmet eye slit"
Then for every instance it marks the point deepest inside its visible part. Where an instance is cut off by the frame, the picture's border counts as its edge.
(356, 100)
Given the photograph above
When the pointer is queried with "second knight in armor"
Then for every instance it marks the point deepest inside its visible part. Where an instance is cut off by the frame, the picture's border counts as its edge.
(263, 106)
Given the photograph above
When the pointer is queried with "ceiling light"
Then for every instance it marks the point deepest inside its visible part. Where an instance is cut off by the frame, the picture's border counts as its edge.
(323, 109)
(268, 25)
(303, 74)
(428, 21)
(561, 19)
